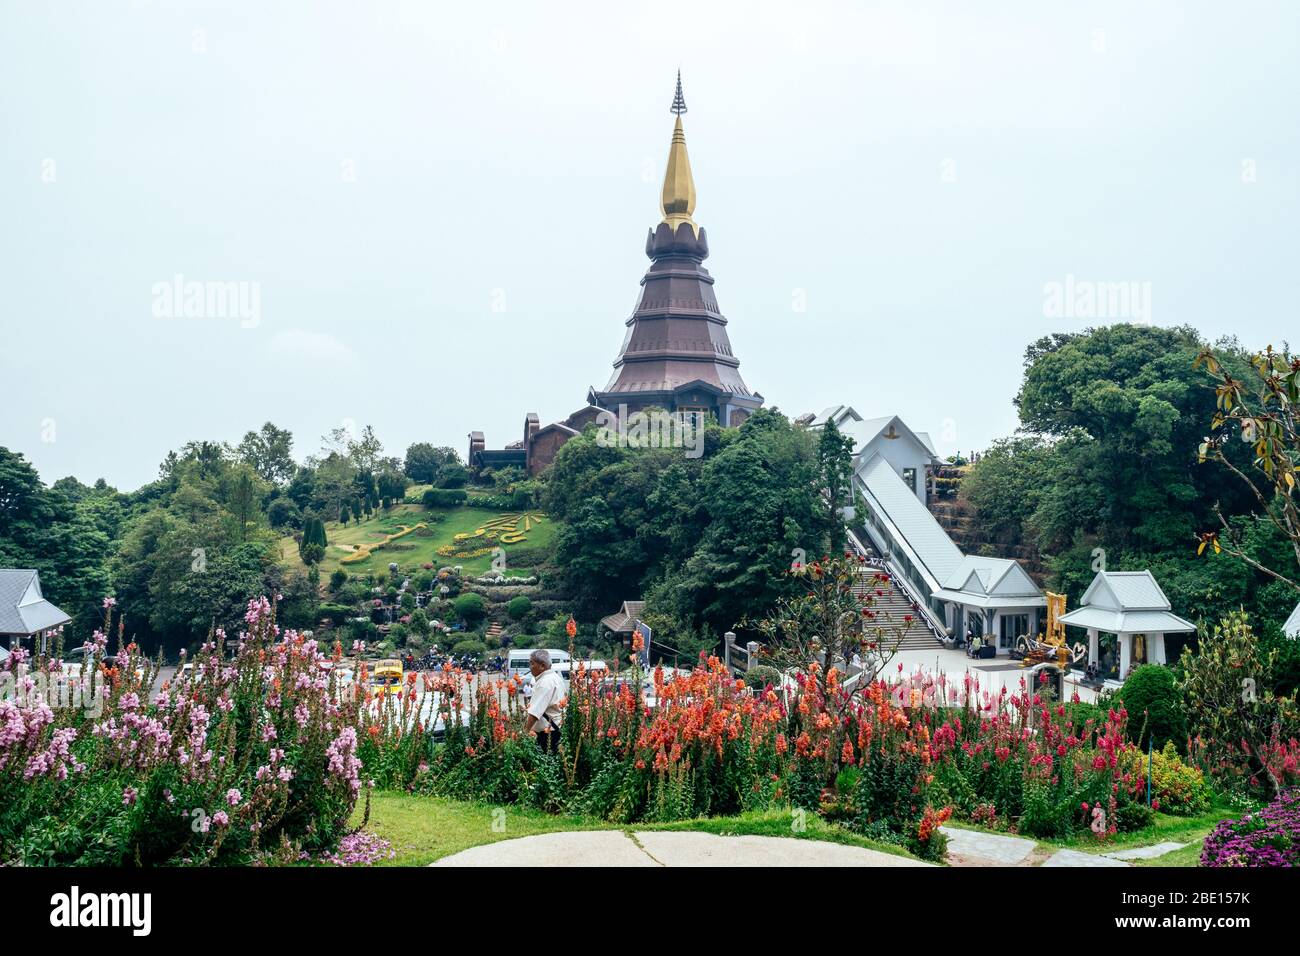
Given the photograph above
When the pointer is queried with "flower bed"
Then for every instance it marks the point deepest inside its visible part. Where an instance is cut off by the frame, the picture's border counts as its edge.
(1270, 837)
(246, 757)
(893, 764)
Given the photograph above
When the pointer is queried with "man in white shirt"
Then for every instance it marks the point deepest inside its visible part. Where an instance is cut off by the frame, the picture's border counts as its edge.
(544, 714)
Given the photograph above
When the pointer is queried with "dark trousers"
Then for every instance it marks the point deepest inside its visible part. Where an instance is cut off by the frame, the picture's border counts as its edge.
(549, 742)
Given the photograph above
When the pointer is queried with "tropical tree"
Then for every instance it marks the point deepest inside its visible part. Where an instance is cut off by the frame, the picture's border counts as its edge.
(1260, 411)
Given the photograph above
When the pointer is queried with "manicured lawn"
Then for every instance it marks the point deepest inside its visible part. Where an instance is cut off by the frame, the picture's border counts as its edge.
(423, 829)
(777, 823)
(417, 548)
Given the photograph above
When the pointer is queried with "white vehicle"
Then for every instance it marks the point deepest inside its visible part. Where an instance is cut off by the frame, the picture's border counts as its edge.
(517, 662)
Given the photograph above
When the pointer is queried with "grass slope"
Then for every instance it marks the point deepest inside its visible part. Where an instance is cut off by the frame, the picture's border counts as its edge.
(417, 548)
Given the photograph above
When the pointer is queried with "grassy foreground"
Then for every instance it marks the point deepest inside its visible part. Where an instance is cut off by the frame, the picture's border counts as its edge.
(423, 829)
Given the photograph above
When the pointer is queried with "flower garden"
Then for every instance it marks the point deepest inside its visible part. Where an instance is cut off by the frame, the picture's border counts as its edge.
(256, 753)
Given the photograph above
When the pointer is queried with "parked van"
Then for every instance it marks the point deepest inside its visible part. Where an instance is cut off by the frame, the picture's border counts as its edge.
(517, 662)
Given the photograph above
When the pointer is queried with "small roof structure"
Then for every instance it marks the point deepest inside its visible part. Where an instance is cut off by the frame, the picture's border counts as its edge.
(23, 609)
(1292, 626)
(986, 582)
(624, 620)
(864, 431)
(1126, 602)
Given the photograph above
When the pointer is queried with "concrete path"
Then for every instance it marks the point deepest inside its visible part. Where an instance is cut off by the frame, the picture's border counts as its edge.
(1079, 858)
(974, 848)
(1145, 852)
(661, 848)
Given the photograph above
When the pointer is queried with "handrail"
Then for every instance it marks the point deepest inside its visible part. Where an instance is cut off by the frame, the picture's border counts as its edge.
(899, 580)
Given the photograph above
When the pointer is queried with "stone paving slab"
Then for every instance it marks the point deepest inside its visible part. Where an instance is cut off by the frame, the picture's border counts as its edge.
(990, 848)
(658, 848)
(1077, 858)
(674, 848)
(1145, 852)
(577, 848)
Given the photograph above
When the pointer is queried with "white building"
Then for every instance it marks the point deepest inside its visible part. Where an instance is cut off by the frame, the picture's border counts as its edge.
(910, 454)
(1130, 608)
(24, 612)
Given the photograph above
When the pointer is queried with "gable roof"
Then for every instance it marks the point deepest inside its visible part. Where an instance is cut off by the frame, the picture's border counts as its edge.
(912, 525)
(1126, 602)
(864, 431)
(23, 609)
(624, 621)
(982, 581)
(1292, 626)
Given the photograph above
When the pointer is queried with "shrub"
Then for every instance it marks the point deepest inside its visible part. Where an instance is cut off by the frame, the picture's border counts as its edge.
(761, 676)
(1176, 788)
(336, 613)
(519, 606)
(338, 579)
(245, 756)
(469, 607)
(1152, 690)
(469, 646)
(444, 497)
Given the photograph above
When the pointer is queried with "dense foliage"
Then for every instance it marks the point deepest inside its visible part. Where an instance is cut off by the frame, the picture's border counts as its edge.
(1108, 473)
(250, 753)
(704, 540)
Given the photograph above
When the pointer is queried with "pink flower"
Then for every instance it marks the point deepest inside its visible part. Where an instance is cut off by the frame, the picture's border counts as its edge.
(129, 796)
(233, 796)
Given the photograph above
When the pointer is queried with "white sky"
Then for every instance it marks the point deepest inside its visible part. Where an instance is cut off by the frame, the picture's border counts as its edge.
(513, 153)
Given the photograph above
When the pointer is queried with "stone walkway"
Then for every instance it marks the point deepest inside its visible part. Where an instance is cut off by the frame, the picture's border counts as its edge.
(976, 848)
(676, 848)
(662, 848)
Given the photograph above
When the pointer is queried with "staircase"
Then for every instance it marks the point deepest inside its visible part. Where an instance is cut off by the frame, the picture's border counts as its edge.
(892, 605)
(892, 602)
(494, 634)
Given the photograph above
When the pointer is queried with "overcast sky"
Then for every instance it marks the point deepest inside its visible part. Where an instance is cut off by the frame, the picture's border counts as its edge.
(443, 207)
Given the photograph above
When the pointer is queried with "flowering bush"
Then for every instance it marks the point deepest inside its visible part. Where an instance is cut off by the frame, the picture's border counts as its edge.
(1270, 837)
(1176, 788)
(245, 752)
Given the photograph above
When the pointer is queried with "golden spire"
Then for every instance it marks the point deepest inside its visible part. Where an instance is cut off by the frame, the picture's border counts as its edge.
(679, 188)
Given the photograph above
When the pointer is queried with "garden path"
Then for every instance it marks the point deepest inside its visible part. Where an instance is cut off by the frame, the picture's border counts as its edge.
(668, 848)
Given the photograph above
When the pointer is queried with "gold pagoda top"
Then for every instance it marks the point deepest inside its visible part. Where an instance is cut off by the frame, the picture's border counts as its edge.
(679, 187)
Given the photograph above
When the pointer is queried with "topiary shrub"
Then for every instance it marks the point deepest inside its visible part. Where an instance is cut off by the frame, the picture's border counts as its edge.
(469, 646)
(444, 497)
(519, 606)
(469, 607)
(761, 676)
(1152, 690)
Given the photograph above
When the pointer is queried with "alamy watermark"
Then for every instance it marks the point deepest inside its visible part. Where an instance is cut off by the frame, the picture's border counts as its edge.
(183, 298)
(1087, 299)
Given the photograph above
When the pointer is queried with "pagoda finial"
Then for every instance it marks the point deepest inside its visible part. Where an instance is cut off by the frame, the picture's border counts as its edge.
(679, 186)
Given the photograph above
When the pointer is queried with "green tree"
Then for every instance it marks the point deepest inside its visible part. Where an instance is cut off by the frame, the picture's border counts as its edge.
(269, 451)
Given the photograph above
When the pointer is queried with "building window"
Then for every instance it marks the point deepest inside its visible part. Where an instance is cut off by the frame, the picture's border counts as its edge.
(909, 478)
(1014, 627)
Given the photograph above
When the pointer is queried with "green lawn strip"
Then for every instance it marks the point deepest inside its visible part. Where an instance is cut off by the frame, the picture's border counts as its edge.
(423, 829)
(775, 823)
(413, 550)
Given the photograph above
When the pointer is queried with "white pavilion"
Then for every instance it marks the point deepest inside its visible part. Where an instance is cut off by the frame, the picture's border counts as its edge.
(1131, 606)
